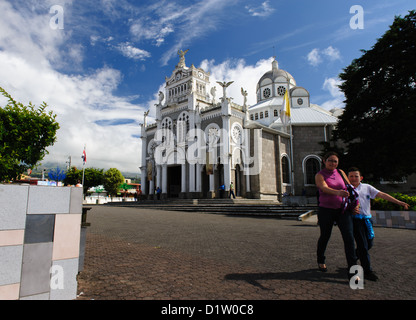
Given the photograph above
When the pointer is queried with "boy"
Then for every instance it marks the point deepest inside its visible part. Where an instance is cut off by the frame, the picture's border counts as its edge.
(363, 232)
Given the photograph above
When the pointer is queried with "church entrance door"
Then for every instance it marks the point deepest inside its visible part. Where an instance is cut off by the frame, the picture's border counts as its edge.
(174, 181)
(237, 186)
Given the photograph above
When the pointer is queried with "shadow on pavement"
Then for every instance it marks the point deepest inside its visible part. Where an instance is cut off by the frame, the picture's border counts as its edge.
(309, 275)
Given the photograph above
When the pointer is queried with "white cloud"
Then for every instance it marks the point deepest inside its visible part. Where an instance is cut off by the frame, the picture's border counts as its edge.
(29, 62)
(332, 54)
(125, 48)
(332, 85)
(146, 29)
(263, 11)
(332, 104)
(337, 96)
(133, 53)
(314, 57)
(29, 35)
(244, 76)
(153, 22)
(189, 22)
(317, 56)
(162, 35)
(94, 39)
(79, 102)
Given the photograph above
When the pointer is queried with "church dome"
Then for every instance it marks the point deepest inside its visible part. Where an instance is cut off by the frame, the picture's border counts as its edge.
(277, 75)
(274, 83)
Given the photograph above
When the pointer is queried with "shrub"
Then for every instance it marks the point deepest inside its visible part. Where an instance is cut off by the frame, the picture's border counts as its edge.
(381, 204)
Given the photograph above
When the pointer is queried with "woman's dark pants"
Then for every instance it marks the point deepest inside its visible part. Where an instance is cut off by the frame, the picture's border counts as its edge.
(326, 219)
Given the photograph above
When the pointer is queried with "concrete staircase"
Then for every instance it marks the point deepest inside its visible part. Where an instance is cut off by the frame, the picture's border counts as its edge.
(239, 206)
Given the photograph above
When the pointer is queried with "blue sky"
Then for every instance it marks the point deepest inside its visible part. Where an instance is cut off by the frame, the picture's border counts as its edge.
(105, 67)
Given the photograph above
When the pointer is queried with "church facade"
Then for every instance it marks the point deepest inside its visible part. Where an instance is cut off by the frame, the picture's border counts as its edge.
(204, 145)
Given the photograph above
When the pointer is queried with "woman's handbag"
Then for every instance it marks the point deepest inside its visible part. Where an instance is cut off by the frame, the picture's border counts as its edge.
(351, 201)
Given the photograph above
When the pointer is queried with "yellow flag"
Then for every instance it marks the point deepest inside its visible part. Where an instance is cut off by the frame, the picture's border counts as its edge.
(285, 111)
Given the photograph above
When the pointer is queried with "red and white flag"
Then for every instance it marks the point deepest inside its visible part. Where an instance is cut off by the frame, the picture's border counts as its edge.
(84, 157)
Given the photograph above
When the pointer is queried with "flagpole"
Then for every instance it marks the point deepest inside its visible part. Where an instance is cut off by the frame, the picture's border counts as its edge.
(291, 160)
(83, 173)
(83, 166)
(286, 118)
(292, 173)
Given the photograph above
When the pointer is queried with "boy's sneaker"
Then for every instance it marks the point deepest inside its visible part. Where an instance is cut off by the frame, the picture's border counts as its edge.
(370, 275)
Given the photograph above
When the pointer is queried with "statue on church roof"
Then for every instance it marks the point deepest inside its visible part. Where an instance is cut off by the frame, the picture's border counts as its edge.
(182, 54)
(244, 93)
(214, 93)
(146, 114)
(161, 97)
(224, 86)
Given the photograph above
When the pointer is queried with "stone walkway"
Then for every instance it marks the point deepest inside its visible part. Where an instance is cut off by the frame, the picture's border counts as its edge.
(144, 254)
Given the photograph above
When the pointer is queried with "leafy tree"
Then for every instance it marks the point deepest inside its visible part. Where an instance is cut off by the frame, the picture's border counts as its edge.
(72, 176)
(92, 177)
(112, 180)
(378, 125)
(25, 133)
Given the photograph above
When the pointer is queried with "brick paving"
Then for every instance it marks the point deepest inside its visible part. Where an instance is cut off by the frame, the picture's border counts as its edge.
(144, 254)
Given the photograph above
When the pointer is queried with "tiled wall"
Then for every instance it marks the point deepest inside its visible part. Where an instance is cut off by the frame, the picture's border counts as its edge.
(40, 231)
(394, 219)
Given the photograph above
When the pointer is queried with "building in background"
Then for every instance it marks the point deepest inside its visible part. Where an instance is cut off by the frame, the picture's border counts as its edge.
(202, 140)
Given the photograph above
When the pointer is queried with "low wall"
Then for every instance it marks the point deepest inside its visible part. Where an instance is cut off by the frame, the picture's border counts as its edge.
(394, 219)
(40, 230)
(104, 200)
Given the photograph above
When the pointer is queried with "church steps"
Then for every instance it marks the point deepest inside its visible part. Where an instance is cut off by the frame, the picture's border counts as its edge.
(217, 207)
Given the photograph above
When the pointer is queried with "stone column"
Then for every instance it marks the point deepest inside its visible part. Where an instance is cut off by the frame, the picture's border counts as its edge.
(183, 178)
(191, 177)
(143, 170)
(226, 153)
(198, 178)
(211, 191)
(165, 179)
(158, 176)
(152, 188)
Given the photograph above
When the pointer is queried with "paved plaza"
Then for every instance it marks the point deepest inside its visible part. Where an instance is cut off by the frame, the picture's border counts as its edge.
(144, 254)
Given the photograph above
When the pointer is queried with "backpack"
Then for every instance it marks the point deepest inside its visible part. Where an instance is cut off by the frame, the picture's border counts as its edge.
(351, 201)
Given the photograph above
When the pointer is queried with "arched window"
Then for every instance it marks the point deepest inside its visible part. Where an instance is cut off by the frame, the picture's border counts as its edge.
(183, 126)
(311, 166)
(166, 133)
(167, 123)
(285, 169)
(213, 142)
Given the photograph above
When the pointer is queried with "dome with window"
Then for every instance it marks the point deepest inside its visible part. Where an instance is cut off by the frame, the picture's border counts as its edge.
(274, 83)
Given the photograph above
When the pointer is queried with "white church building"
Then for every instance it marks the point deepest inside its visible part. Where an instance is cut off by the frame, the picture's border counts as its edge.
(202, 141)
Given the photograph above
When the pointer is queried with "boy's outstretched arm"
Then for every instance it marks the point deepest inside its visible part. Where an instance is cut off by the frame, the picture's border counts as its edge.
(388, 197)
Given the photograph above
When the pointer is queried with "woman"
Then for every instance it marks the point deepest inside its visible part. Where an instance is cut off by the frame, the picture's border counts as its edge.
(332, 191)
